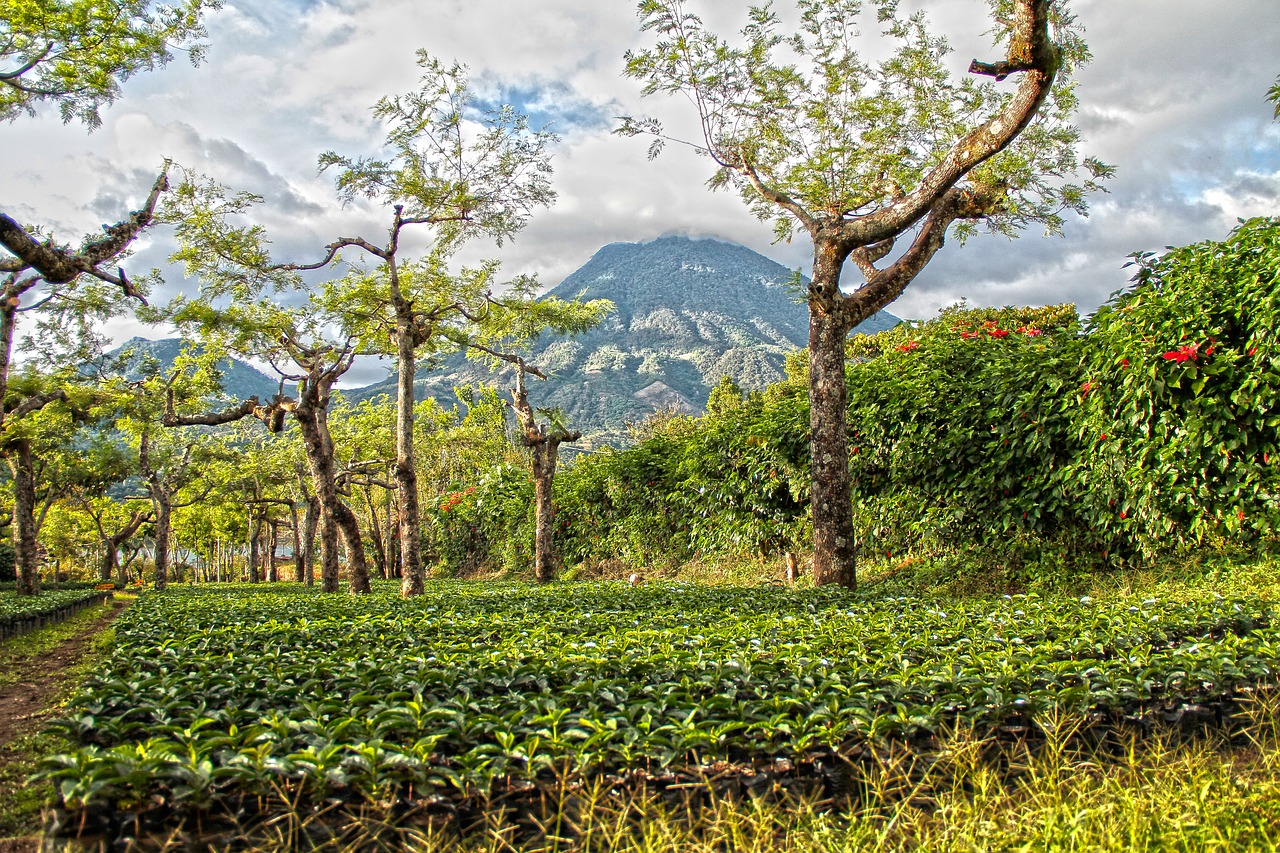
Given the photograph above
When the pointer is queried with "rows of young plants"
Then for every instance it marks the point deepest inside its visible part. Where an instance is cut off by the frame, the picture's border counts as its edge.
(22, 613)
(213, 692)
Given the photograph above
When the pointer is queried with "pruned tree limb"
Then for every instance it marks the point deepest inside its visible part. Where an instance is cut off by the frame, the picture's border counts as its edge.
(57, 265)
(865, 257)
(35, 402)
(233, 413)
(774, 195)
(1032, 54)
(886, 285)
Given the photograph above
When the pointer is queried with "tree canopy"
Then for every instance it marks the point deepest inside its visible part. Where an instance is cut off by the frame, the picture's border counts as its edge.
(864, 154)
(76, 53)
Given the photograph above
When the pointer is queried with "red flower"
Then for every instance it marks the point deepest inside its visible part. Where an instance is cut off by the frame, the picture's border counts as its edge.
(999, 333)
(909, 346)
(1029, 331)
(1086, 388)
(1188, 352)
(1124, 514)
(967, 335)
(1124, 362)
(1252, 351)
(1103, 437)
(1241, 515)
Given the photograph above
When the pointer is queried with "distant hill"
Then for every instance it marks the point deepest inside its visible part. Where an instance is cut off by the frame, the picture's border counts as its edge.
(689, 312)
(239, 380)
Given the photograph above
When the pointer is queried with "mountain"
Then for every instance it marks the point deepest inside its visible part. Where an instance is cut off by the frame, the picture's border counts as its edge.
(240, 380)
(689, 312)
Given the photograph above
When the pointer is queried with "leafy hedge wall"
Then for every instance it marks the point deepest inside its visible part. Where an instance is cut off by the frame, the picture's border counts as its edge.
(1015, 433)
(1178, 438)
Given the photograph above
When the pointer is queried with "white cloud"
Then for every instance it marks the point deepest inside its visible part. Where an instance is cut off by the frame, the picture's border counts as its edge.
(1173, 99)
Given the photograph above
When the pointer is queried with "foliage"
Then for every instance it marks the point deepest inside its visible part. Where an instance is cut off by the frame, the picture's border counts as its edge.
(961, 431)
(18, 609)
(224, 692)
(76, 53)
(1178, 443)
(489, 523)
(442, 172)
(833, 130)
(480, 512)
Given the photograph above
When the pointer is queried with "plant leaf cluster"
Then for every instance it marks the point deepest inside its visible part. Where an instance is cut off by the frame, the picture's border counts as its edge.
(223, 692)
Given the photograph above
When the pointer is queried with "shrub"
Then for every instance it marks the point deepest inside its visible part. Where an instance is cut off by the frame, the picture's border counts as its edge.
(1178, 439)
(960, 430)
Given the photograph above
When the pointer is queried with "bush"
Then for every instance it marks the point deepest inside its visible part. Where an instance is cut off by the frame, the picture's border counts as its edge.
(1178, 441)
(1012, 436)
(961, 431)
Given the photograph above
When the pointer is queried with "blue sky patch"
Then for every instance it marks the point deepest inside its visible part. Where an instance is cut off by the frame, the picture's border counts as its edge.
(554, 106)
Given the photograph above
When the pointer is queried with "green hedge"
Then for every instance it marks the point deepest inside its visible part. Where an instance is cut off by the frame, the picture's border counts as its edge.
(1018, 434)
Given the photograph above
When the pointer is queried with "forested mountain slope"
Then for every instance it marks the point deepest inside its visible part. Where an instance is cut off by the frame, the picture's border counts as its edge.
(689, 312)
(239, 380)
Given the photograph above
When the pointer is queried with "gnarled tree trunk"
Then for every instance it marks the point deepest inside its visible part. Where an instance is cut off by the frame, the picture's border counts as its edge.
(544, 447)
(163, 505)
(413, 572)
(337, 519)
(834, 554)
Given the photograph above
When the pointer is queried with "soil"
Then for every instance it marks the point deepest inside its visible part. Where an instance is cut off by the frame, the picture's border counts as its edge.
(27, 703)
(24, 704)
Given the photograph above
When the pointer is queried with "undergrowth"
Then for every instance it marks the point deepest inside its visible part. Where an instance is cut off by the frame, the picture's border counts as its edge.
(21, 801)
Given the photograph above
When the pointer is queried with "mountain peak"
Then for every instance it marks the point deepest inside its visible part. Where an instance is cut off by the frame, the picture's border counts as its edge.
(689, 312)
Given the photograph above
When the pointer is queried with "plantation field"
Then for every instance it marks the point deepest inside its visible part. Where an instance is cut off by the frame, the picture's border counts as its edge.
(20, 613)
(475, 688)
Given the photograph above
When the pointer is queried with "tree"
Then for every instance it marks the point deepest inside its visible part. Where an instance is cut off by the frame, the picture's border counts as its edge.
(365, 433)
(89, 466)
(73, 291)
(861, 155)
(76, 53)
(460, 173)
(116, 524)
(543, 440)
(725, 397)
(169, 464)
(299, 342)
(453, 170)
(510, 327)
(41, 416)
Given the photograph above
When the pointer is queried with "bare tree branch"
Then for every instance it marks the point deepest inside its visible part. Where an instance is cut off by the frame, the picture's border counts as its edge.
(60, 266)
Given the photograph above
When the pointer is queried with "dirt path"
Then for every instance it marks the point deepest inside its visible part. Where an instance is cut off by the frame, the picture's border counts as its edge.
(24, 703)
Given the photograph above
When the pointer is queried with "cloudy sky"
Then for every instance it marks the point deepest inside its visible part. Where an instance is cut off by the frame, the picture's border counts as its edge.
(1174, 99)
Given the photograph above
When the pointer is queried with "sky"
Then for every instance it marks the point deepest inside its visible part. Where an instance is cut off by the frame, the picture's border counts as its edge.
(1174, 99)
